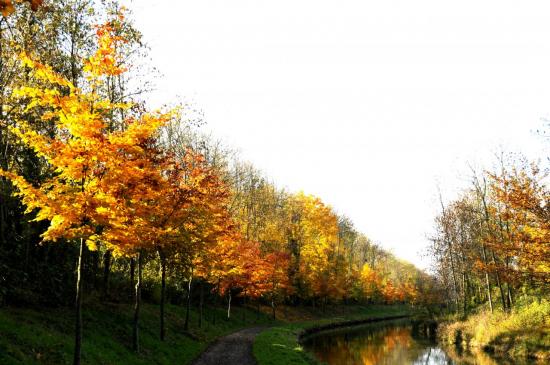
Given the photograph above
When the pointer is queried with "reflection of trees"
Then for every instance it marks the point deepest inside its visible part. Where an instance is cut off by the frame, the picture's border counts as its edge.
(476, 356)
(433, 356)
(387, 344)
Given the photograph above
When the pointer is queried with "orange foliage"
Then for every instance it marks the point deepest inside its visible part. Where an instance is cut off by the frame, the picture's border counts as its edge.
(7, 6)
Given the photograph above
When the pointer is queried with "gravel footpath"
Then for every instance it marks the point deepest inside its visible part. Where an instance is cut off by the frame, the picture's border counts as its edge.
(233, 349)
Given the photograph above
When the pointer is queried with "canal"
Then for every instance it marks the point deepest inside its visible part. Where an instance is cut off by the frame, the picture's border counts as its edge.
(387, 343)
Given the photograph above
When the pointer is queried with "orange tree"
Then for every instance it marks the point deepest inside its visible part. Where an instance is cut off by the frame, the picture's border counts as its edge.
(272, 277)
(524, 225)
(198, 215)
(7, 6)
(82, 197)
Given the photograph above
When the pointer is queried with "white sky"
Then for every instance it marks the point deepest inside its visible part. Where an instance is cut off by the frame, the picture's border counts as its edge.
(367, 104)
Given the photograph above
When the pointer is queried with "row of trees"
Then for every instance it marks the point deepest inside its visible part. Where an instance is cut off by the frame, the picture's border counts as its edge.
(492, 243)
(142, 194)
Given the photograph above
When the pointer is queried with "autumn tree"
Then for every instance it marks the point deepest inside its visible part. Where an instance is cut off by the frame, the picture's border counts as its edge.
(7, 7)
(492, 240)
(79, 198)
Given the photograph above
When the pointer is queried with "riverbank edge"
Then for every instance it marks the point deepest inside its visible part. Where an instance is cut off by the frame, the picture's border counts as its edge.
(522, 334)
(508, 346)
(282, 344)
(309, 331)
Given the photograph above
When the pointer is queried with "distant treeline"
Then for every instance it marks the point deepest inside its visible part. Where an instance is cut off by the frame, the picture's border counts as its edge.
(492, 244)
(98, 191)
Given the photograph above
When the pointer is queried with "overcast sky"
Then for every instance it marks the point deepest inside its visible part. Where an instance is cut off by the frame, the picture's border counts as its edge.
(367, 104)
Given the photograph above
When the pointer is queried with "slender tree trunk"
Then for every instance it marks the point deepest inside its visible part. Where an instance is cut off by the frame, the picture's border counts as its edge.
(479, 294)
(188, 305)
(455, 285)
(464, 293)
(106, 272)
(273, 307)
(499, 283)
(95, 269)
(218, 299)
(510, 297)
(2, 215)
(244, 307)
(229, 304)
(449, 245)
(465, 279)
(137, 302)
(508, 289)
(27, 253)
(162, 293)
(201, 302)
(482, 195)
(78, 327)
(487, 281)
(132, 273)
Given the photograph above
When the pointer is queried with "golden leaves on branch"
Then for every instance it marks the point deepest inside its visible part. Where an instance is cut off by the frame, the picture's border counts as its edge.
(89, 159)
(105, 61)
(522, 198)
(7, 7)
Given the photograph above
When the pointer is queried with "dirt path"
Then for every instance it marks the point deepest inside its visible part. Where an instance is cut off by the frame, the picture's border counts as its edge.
(234, 349)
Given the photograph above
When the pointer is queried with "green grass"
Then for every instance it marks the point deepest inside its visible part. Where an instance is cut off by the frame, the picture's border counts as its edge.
(36, 336)
(279, 344)
(523, 333)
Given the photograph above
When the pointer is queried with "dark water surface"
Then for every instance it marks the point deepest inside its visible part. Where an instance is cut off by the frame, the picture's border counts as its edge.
(386, 343)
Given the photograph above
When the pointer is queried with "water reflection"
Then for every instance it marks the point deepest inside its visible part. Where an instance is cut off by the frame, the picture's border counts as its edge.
(385, 343)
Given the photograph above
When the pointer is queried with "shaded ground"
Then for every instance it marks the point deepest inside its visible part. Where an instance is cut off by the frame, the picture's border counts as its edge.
(45, 336)
(234, 349)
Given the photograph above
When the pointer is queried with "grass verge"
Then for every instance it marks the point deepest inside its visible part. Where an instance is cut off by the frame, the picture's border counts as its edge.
(45, 336)
(523, 333)
(280, 345)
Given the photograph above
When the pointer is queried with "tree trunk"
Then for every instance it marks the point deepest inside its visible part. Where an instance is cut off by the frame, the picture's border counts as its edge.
(27, 253)
(499, 283)
(188, 305)
(487, 282)
(455, 285)
(273, 307)
(201, 303)
(449, 245)
(162, 293)
(510, 297)
(217, 299)
(464, 293)
(487, 223)
(244, 307)
(2, 216)
(106, 272)
(95, 269)
(78, 327)
(229, 304)
(137, 303)
(479, 294)
(132, 273)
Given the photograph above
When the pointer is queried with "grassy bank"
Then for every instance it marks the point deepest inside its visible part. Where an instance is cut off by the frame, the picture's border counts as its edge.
(279, 344)
(45, 336)
(524, 333)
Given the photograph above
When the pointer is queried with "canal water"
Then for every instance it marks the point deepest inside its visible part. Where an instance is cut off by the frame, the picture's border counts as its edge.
(386, 343)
